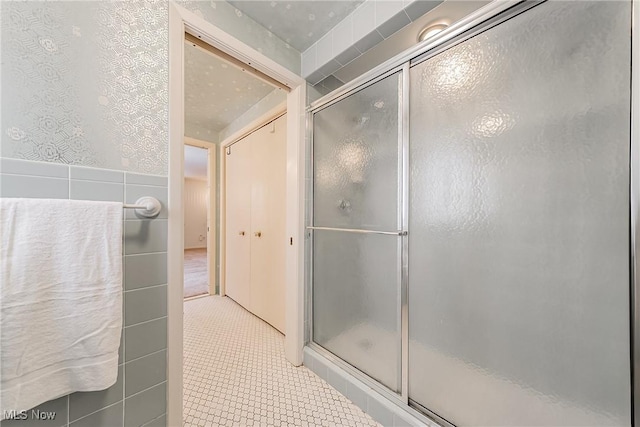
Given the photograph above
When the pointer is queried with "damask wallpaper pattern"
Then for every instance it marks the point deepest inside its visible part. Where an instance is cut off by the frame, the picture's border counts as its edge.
(86, 83)
(236, 23)
(39, 120)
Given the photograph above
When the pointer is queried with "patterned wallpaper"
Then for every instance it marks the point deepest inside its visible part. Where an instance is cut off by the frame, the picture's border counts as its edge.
(216, 92)
(200, 132)
(262, 107)
(86, 82)
(239, 25)
(298, 23)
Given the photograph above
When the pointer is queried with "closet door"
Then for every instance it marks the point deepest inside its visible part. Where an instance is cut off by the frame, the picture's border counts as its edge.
(238, 219)
(268, 240)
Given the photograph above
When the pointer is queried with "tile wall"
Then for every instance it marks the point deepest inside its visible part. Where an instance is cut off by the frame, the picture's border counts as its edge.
(139, 396)
(371, 23)
(377, 406)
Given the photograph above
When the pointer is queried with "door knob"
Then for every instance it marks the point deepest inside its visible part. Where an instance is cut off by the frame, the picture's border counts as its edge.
(258, 233)
(241, 233)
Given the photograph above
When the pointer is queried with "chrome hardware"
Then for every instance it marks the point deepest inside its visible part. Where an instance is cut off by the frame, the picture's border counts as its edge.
(344, 204)
(353, 230)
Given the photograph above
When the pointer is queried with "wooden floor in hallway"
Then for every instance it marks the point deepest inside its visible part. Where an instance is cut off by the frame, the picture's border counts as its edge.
(196, 280)
(236, 374)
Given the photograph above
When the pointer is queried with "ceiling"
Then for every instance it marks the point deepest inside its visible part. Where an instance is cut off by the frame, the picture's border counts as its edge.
(216, 92)
(195, 162)
(299, 23)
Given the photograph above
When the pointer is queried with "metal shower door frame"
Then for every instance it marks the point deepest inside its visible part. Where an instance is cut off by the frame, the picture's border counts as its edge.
(634, 189)
(401, 233)
(483, 19)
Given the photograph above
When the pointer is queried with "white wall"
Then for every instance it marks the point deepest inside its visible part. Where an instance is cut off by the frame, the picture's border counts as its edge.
(195, 213)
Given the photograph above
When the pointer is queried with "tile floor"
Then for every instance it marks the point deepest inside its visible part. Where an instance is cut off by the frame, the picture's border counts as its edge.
(235, 374)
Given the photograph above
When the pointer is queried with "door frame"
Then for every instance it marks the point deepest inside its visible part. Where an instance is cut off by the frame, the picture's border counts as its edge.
(231, 139)
(180, 21)
(212, 236)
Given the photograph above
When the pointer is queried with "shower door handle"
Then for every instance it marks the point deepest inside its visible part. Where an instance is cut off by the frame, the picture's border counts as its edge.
(354, 230)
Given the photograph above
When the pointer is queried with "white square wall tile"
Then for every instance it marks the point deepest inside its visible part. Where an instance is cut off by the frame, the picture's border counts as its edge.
(343, 35)
(308, 60)
(324, 48)
(364, 20)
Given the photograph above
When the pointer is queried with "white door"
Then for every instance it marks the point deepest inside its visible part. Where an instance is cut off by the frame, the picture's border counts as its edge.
(238, 223)
(268, 233)
(196, 204)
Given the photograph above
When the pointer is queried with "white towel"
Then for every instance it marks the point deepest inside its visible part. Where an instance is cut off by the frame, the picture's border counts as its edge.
(60, 298)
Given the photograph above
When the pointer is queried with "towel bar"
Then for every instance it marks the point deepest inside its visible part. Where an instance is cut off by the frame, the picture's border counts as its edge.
(146, 206)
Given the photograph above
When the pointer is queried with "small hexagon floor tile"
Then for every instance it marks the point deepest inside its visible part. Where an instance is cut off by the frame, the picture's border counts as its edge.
(235, 374)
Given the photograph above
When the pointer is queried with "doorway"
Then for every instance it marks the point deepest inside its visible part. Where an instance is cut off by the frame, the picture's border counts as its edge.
(225, 103)
(234, 109)
(181, 21)
(200, 196)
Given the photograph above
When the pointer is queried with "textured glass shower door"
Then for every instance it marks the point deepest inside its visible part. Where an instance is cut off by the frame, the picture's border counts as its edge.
(356, 230)
(519, 221)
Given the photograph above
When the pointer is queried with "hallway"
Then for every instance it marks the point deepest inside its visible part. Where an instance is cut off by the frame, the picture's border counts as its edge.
(195, 272)
(235, 374)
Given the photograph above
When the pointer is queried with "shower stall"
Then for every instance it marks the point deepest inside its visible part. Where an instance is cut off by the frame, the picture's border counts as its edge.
(470, 236)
